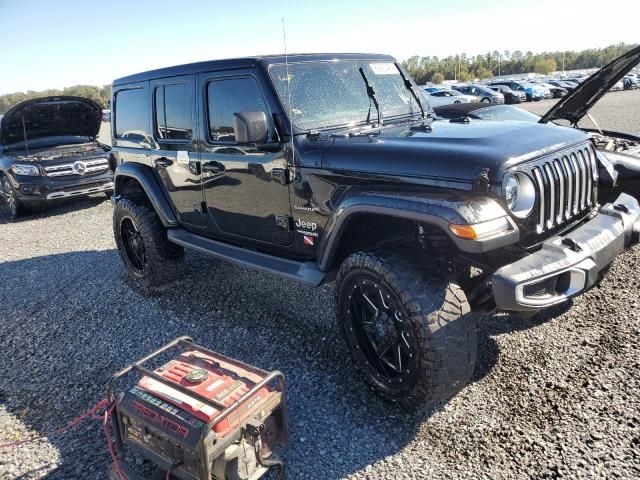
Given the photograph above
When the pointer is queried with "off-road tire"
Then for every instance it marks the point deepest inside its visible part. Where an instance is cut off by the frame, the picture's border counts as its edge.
(439, 317)
(163, 259)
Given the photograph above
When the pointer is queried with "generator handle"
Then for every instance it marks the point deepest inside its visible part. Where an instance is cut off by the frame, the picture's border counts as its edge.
(128, 368)
(233, 407)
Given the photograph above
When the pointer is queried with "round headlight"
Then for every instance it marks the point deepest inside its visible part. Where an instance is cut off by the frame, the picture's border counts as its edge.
(511, 186)
(519, 193)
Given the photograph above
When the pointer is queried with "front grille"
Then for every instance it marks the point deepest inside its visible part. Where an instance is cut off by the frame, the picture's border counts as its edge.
(78, 168)
(565, 186)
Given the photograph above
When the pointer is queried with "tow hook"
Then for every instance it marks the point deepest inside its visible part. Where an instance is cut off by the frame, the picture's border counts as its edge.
(571, 244)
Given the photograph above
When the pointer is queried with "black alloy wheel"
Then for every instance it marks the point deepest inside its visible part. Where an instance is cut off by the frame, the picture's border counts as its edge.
(377, 330)
(133, 245)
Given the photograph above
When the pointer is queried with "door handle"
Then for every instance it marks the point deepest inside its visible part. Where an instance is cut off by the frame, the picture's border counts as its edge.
(162, 162)
(212, 167)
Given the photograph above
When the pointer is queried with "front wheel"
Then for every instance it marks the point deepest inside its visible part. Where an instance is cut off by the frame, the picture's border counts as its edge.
(142, 243)
(485, 100)
(411, 335)
(16, 207)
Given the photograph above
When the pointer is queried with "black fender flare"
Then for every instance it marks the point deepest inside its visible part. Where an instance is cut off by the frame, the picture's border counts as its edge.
(146, 178)
(439, 210)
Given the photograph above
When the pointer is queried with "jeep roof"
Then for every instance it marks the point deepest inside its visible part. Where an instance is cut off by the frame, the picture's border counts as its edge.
(246, 62)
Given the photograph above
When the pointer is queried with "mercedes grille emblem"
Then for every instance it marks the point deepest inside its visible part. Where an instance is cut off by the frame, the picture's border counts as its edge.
(79, 168)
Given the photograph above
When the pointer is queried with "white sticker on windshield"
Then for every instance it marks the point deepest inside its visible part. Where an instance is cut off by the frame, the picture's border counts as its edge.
(383, 68)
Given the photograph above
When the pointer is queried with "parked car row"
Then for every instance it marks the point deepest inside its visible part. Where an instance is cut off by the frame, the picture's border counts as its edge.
(514, 91)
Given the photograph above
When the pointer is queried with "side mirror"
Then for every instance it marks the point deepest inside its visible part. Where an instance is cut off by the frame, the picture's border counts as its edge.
(250, 127)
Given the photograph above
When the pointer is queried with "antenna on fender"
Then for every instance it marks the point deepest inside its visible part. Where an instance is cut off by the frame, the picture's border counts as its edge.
(286, 66)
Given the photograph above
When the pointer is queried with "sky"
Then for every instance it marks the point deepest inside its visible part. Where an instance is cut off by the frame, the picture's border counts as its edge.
(53, 44)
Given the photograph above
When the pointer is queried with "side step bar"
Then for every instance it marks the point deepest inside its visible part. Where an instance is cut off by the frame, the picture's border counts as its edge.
(305, 272)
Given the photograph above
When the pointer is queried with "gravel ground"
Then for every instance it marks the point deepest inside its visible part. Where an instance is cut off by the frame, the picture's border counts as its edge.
(556, 395)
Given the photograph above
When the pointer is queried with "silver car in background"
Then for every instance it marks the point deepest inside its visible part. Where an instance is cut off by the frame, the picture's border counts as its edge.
(482, 93)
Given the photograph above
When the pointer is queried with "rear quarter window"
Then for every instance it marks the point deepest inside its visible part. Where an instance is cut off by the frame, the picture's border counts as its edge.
(131, 114)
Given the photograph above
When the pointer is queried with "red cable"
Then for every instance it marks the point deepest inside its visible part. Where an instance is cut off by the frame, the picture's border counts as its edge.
(92, 412)
(112, 452)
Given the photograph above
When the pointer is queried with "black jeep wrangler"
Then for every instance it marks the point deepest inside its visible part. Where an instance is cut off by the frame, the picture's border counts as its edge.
(331, 167)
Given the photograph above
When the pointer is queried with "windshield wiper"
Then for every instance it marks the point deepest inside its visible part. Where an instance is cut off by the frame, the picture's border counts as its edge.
(371, 93)
(409, 87)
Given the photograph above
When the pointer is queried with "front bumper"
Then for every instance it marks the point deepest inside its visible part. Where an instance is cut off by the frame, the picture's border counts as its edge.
(42, 189)
(81, 190)
(566, 266)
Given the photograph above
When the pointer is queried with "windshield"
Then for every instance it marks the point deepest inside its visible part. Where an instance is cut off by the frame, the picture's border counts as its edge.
(331, 94)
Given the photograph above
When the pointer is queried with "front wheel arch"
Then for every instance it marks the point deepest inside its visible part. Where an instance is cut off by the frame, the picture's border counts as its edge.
(134, 180)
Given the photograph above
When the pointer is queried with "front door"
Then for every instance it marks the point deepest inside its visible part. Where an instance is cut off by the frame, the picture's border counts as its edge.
(175, 154)
(245, 188)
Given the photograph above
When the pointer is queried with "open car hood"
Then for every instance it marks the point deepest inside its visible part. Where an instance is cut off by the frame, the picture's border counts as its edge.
(576, 105)
(50, 117)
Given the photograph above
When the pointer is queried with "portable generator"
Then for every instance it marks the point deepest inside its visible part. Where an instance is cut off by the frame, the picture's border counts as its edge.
(200, 415)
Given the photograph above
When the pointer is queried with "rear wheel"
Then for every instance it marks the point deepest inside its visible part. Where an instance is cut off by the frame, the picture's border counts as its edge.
(15, 206)
(411, 335)
(142, 243)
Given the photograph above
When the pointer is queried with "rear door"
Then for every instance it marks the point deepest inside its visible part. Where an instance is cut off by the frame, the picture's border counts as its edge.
(245, 186)
(174, 154)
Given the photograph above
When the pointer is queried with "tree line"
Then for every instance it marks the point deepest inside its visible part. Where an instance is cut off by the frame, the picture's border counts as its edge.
(101, 95)
(464, 68)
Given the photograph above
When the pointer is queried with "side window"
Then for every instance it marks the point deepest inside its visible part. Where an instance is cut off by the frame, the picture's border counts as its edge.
(130, 114)
(173, 112)
(229, 96)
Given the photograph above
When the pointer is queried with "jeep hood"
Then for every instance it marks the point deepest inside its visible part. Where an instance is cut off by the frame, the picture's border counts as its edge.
(50, 117)
(576, 105)
(449, 154)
